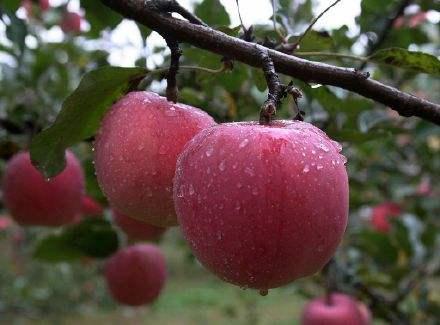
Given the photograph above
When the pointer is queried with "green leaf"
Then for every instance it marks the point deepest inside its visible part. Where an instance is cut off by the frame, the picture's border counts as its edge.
(54, 248)
(212, 12)
(230, 31)
(10, 5)
(314, 41)
(415, 61)
(81, 114)
(93, 237)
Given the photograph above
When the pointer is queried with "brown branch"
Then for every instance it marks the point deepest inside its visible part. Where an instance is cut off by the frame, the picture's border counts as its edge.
(172, 90)
(308, 71)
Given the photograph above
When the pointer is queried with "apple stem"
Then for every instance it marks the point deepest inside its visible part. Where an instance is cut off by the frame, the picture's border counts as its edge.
(172, 91)
(277, 91)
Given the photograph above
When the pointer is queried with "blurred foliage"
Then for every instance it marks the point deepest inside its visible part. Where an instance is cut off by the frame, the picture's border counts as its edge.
(390, 157)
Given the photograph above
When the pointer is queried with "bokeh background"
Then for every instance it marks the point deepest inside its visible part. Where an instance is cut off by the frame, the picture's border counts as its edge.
(390, 158)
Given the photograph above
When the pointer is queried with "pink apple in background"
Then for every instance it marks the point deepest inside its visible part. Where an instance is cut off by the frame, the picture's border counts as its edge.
(136, 150)
(338, 309)
(136, 275)
(35, 201)
(137, 230)
(5, 223)
(380, 215)
(44, 5)
(365, 313)
(90, 207)
(424, 188)
(261, 206)
(71, 22)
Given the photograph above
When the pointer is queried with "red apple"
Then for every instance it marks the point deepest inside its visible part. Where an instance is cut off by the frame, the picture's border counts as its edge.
(71, 22)
(135, 229)
(136, 274)
(365, 313)
(90, 207)
(260, 205)
(136, 150)
(339, 309)
(44, 5)
(381, 213)
(5, 222)
(33, 200)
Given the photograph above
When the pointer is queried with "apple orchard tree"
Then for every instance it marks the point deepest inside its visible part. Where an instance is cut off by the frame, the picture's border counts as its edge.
(281, 156)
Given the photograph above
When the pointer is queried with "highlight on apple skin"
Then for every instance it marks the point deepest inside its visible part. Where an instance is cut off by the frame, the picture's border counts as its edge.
(136, 275)
(137, 230)
(337, 309)
(34, 201)
(136, 150)
(261, 206)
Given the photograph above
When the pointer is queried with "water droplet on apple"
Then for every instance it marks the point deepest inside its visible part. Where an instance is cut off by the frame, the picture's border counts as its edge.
(306, 169)
(163, 149)
(319, 167)
(191, 189)
(209, 152)
(222, 165)
(244, 143)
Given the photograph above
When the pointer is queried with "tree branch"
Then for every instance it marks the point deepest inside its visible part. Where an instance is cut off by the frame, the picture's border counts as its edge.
(308, 71)
(172, 91)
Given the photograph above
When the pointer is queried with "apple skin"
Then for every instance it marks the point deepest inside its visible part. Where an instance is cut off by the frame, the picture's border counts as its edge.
(71, 22)
(137, 230)
(261, 206)
(34, 201)
(365, 313)
(380, 215)
(136, 274)
(343, 310)
(136, 151)
(90, 207)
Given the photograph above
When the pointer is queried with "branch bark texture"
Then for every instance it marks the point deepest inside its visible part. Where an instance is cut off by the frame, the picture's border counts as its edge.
(309, 71)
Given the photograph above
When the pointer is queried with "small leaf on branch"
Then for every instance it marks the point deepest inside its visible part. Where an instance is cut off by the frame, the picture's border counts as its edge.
(81, 114)
(213, 13)
(410, 60)
(93, 237)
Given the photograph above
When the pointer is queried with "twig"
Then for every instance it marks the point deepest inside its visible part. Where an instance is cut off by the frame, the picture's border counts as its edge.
(172, 91)
(239, 16)
(297, 43)
(269, 107)
(274, 21)
(388, 26)
(305, 70)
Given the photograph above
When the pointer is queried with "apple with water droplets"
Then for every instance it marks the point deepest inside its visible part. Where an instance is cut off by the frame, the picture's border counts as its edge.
(336, 309)
(35, 201)
(137, 230)
(262, 205)
(136, 275)
(136, 150)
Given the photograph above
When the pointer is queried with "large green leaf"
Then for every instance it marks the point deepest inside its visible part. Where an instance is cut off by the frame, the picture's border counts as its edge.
(212, 12)
(415, 61)
(81, 114)
(93, 237)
